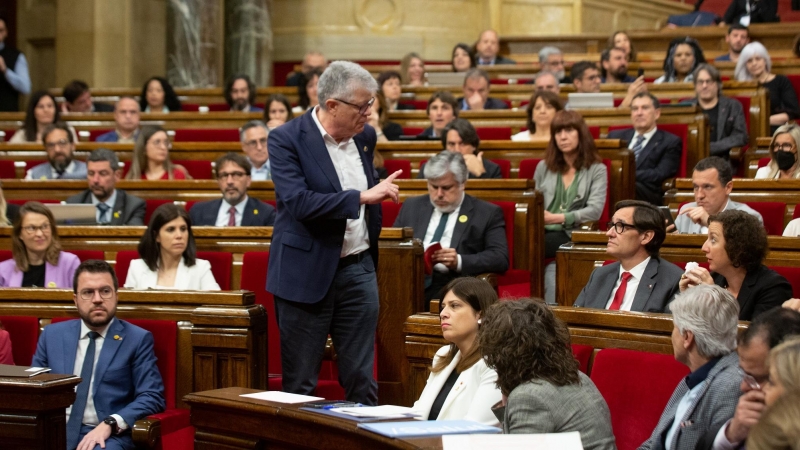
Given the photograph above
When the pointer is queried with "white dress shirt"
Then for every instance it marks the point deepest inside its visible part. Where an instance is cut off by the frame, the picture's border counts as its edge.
(680, 412)
(633, 284)
(223, 215)
(350, 171)
(90, 413)
(110, 201)
(447, 236)
(647, 137)
(18, 76)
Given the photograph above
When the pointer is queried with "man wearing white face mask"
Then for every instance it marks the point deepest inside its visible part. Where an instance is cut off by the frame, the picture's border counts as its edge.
(471, 231)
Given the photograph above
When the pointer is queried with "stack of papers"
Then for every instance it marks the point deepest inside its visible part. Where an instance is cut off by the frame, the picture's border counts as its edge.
(382, 412)
(282, 397)
(417, 428)
(548, 441)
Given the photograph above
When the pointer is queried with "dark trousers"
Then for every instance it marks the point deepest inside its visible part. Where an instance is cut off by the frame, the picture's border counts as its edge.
(119, 442)
(349, 313)
(552, 240)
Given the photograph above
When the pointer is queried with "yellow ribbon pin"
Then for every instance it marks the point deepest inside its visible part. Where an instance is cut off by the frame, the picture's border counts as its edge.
(462, 218)
(116, 214)
(51, 284)
(117, 337)
(255, 211)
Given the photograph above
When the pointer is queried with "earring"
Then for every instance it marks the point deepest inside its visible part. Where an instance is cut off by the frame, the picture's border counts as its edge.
(479, 321)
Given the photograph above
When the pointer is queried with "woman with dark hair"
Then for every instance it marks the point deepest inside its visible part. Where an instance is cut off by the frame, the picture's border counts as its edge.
(736, 248)
(543, 390)
(460, 363)
(389, 83)
(151, 157)
(620, 39)
(41, 112)
(412, 69)
(158, 96)
(463, 58)
(168, 255)
(379, 119)
(277, 111)
(37, 257)
(307, 91)
(683, 56)
(540, 111)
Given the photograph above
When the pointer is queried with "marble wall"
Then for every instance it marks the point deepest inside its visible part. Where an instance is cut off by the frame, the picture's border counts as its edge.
(248, 39)
(195, 42)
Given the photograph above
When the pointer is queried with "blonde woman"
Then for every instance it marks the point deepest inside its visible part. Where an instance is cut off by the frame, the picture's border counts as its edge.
(783, 163)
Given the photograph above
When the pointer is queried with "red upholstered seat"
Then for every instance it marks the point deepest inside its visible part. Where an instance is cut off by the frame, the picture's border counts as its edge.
(762, 162)
(682, 264)
(393, 165)
(199, 170)
(505, 167)
(221, 263)
(795, 80)
(773, 214)
(5, 254)
(123, 262)
(7, 169)
(24, 333)
(150, 205)
(85, 255)
(412, 131)
(494, 133)
(583, 353)
(595, 131)
(792, 274)
(390, 212)
(527, 167)
(636, 385)
(95, 133)
(417, 104)
(796, 212)
(206, 135)
(514, 283)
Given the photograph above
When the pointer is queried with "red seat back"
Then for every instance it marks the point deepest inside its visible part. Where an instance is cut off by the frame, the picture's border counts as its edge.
(796, 212)
(773, 214)
(150, 205)
(199, 170)
(605, 216)
(505, 167)
(7, 169)
(795, 80)
(636, 385)
(792, 274)
(123, 262)
(583, 353)
(24, 333)
(745, 101)
(393, 165)
(22, 202)
(206, 135)
(417, 104)
(5, 254)
(221, 263)
(527, 167)
(762, 162)
(494, 133)
(595, 131)
(254, 278)
(165, 337)
(412, 131)
(85, 255)
(390, 212)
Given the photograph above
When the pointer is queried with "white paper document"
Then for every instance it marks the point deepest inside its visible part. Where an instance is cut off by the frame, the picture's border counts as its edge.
(383, 411)
(282, 397)
(551, 441)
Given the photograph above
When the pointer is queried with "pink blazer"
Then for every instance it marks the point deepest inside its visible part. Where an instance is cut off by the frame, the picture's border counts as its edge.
(58, 276)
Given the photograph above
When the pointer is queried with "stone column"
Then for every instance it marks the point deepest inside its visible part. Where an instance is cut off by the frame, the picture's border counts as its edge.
(195, 40)
(248, 39)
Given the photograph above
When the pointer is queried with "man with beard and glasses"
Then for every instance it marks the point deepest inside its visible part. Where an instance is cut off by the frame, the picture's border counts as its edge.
(738, 36)
(60, 146)
(240, 93)
(114, 206)
(113, 357)
(614, 66)
(551, 59)
(235, 208)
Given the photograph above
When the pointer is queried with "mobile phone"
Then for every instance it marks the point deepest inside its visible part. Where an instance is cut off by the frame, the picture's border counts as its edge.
(330, 404)
(640, 72)
(667, 215)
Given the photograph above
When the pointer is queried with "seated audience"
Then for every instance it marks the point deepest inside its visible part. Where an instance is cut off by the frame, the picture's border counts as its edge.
(37, 257)
(40, 113)
(459, 136)
(764, 333)
(540, 111)
(277, 111)
(253, 136)
(307, 92)
(235, 208)
(442, 109)
(735, 249)
(703, 338)
(126, 120)
(240, 93)
(727, 127)
(755, 64)
(546, 81)
(738, 36)
(379, 120)
(471, 231)
(59, 143)
(487, 49)
(639, 280)
(8, 211)
(620, 39)
(551, 59)
(114, 206)
(782, 154)
(712, 180)
(151, 157)
(168, 255)
(614, 66)
(6, 355)
(78, 99)
(476, 92)
(313, 60)
(462, 58)
(778, 429)
(683, 56)
(460, 365)
(412, 69)
(657, 152)
(543, 389)
(158, 96)
(389, 85)
(585, 77)
(745, 12)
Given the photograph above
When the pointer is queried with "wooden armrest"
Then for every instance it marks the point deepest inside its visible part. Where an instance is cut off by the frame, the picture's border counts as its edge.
(589, 226)
(146, 433)
(736, 154)
(490, 278)
(668, 184)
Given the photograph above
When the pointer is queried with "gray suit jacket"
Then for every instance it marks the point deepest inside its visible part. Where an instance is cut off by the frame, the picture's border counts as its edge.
(43, 171)
(713, 407)
(541, 407)
(657, 288)
(731, 127)
(128, 209)
(588, 204)
(685, 225)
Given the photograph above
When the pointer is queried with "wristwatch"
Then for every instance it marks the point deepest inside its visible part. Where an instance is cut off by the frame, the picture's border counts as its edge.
(112, 422)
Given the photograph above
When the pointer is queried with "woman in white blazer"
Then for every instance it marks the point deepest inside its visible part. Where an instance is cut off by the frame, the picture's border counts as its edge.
(168, 252)
(460, 385)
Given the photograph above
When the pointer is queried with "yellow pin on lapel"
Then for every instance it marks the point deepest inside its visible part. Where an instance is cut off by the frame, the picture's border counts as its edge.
(365, 149)
(51, 284)
(463, 218)
(255, 211)
(116, 214)
(117, 337)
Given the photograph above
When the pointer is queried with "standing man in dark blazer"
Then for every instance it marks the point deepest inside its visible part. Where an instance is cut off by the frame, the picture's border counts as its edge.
(725, 115)
(235, 208)
(114, 206)
(473, 232)
(325, 243)
(658, 153)
(639, 280)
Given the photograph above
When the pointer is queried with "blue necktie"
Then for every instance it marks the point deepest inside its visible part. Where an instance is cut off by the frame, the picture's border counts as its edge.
(637, 147)
(437, 236)
(82, 394)
(103, 208)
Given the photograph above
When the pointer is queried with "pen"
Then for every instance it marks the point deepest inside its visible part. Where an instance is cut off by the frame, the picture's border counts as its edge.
(343, 405)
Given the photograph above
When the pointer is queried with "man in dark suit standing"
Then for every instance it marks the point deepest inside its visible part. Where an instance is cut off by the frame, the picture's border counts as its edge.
(658, 153)
(325, 243)
(639, 280)
(235, 208)
(114, 206)
(476, 92)
(472, 232)
(487, 49)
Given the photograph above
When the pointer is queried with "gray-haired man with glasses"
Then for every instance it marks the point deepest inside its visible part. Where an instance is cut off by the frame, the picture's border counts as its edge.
(254, 144)
(640, 280)
(235, 208)
(60, 146)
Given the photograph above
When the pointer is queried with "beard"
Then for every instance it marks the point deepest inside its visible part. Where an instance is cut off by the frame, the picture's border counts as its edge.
(60, 164)
(240, 104)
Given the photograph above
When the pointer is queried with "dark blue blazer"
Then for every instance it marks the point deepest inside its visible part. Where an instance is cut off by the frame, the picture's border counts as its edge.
(256, 213)
(126, 378)
(312, 210)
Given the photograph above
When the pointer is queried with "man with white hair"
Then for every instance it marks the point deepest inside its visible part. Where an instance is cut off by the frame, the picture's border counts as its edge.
(551, 59)
(325, 240)
(704, 338)
(546, 81)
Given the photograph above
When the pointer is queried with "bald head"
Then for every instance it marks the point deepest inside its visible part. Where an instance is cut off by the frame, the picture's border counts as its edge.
(546, 81)
(488, 45)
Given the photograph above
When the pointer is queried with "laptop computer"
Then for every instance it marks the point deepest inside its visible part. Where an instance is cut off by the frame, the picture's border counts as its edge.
(70, 214)
(590, 100)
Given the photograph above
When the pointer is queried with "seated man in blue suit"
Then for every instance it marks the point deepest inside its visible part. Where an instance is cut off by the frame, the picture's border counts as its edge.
(235, 208)
(111, 356)
(639, 280)
(126, 118)
(472, 232)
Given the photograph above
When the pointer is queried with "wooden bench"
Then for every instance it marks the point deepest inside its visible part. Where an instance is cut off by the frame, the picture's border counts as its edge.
(754, 154)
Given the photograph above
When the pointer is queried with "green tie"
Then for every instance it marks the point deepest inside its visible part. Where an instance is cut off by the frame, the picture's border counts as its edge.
(437, 235)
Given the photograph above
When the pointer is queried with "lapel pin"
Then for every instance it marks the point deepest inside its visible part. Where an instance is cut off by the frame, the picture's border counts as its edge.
(365, 149)
(650, 286)
(51, 284)
(116, 214)
(117, 337)
(255, 211)
(462, 218)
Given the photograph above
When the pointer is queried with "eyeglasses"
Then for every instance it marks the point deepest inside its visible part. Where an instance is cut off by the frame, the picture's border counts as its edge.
(32, 229)
(60, 144)
(256, 142)
(749, 379)
(704, 82)
(619, 227)
(159, 143)
(235, 175)
(105, 293)
(783, 147)
(361, 109)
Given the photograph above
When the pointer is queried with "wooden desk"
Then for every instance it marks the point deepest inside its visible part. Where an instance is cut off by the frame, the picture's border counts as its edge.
(33, 411)
(224, 419)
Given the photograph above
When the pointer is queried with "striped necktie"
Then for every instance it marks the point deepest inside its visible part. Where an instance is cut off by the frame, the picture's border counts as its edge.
(637, 147)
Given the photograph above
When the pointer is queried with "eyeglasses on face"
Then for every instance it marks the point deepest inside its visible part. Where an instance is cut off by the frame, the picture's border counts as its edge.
(619, 227)
(362, 109)
(749, 379)
(783, 147)
(161, 142)
(105, 293)
(235, 175)
(61, 143)
(32, 229)
(256, 142)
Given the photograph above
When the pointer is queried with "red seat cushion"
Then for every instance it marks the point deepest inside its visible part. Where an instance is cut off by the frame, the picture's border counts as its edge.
(796, 212)
(206, 135)
(165, 336)
(390, 212)
(515, 282)
(795, 80)
(221, 263)
(5, 254)
(773, 214)
(527, 167)
(150, 206)
(393, 165)
(30, 164)
(7, 169)
(494, 133)
(595, 131)
(199, 170)
(792, 274)
(417, 104)
(583, 353)
(412, 131)
(505, 167)
(24, 333)
(636, 385)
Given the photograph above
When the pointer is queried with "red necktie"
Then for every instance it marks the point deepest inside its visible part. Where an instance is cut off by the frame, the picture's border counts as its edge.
(232, 217)
(620, 294)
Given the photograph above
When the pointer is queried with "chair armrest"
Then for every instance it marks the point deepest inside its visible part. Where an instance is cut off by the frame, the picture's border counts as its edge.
(736, 154)
(592, 225)
(490, 278)
(668, 184)
(147, 432)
